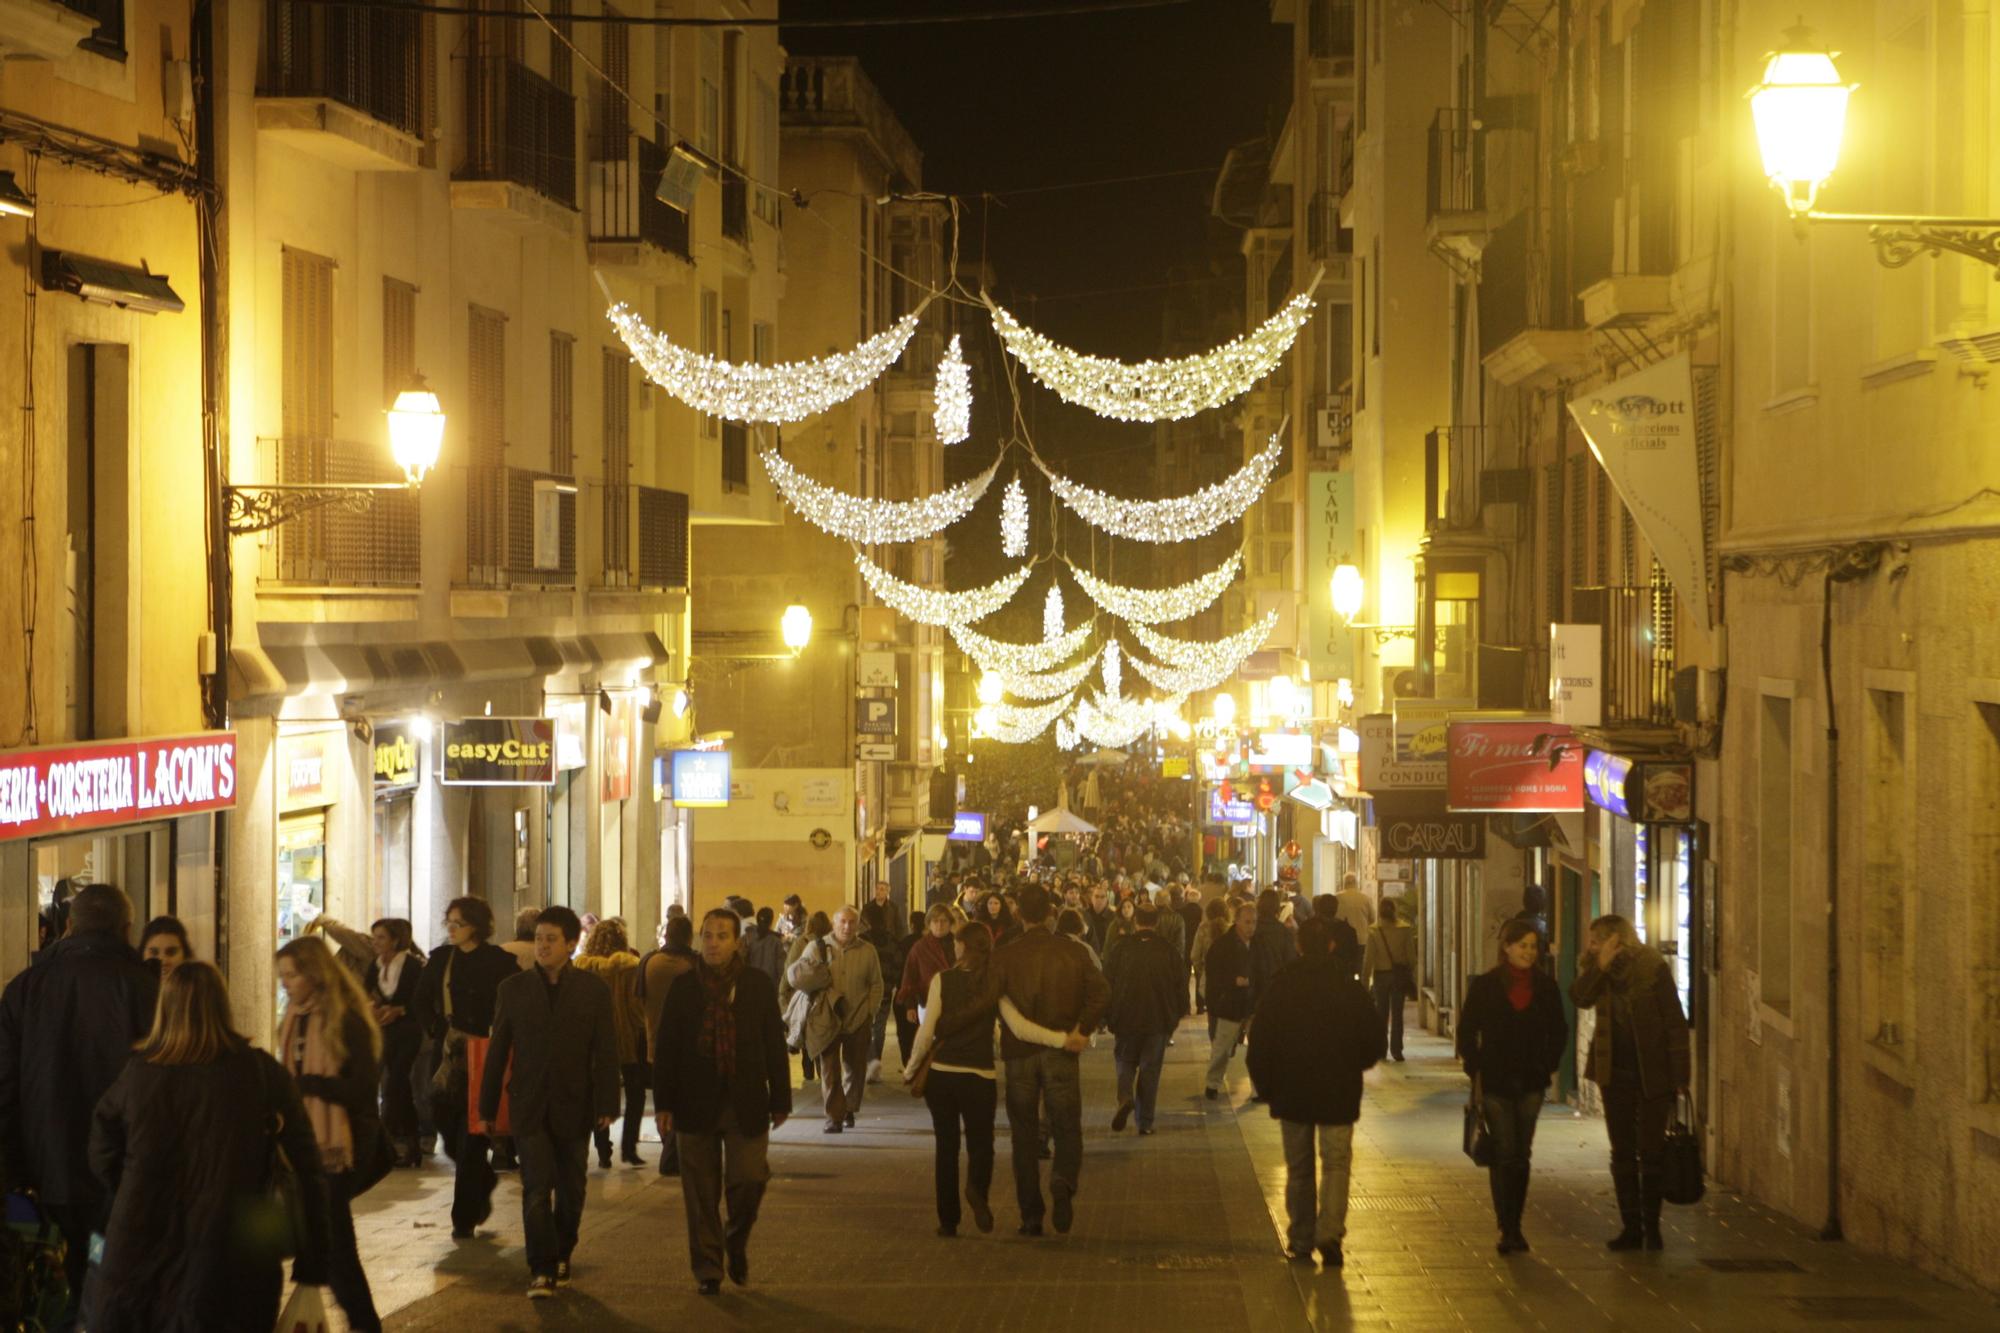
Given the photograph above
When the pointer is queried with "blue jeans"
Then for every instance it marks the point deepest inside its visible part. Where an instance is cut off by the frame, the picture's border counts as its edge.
(1389, 1004)
(1139, 1055)
(1510, 1132)
(1047, 1075)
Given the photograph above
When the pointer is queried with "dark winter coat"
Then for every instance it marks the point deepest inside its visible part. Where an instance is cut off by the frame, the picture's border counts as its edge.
(565, 1053)
(1228, 960)
(1271, 948)
(1637, 992)
(687, 1084)
(475, 984)
(67, 1026)
(188, 1150)
(1149, 993)
(1315, 1031)
(1511, 1051)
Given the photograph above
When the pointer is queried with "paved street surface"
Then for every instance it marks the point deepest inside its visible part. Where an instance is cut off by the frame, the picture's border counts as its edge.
(1180, 1230)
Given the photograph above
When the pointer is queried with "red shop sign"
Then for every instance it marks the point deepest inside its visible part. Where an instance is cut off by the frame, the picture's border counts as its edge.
(1513, 766)
(67, 788)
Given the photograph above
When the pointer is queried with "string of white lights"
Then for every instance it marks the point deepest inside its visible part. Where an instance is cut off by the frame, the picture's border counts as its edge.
(1001, 656)
(1187, 679)
(872, 522)
(777, 394)
(1114, 671)
(951, 396)
(1014, 521)
(1178, 519)
(1153, 606)
(1034, 685)
(1018, 724)
(929, 606)
(1115, 722)
(1155, 390)
(1052, 614)
(1206, 655)
(1066, 737)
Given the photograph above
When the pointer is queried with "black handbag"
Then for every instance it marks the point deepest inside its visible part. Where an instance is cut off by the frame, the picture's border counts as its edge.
(1682, 1180)
(1478, 1146)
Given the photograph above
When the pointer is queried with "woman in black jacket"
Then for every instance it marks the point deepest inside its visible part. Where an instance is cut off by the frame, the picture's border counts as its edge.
(1511, 1034)
(391, 986)
(332, 1049)
(455, 1001)
(187, 1139)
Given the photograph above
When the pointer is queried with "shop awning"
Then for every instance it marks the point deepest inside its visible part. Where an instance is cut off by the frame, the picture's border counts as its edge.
(1313, 795)
(280, 671)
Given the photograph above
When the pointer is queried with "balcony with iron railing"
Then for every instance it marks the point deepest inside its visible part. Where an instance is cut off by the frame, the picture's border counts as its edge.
(1454, 463)
(625, 211)
(1638, 650)
(1327, 241)
(833, 92)
(377, 547)
(520, 528)
(735, 207)
(346, 85)
(1455, 174)
(663, 538)
(519, 128)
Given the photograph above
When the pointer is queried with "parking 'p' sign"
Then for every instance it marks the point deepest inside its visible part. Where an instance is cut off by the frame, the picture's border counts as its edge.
(875, 717)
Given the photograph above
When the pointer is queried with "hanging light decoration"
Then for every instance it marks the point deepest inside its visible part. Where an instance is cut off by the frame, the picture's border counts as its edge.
(872, 522)
(1030, 685)
(1019, 724)
(951, 396)
(999, 655)
(1115, 722)
(1187, 679)
(1178, 519)
(1155, 390)
(929, 606)
(1066, 737)
(777, 394)
(1206, 655)
(1152, 606)
(1052, 614)
(1114, 676)
(1014, 521)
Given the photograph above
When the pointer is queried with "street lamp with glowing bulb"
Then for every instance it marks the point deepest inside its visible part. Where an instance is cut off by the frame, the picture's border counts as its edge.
(416, 430)
(1348, 588)
(797, 627)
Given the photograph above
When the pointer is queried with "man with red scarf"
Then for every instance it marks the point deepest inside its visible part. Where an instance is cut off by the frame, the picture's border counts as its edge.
(722, 1084)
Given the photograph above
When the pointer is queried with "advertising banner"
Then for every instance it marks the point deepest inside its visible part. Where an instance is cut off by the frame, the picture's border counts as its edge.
(68, 788)
(1521, 767)
(498, 752)
(1649, 792)
(700, 779)
(395, 755)
(967, 826)
(1576, 675)
(1379, 769)
(615, 756)
(1445, 837)
(1329, 545)
(1642, 430)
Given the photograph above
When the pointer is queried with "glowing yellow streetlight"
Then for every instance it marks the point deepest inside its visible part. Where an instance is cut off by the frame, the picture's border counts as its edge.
(797, 627)
(416, 430)
(1225, 709)
(1348, 588)
(1800, 110)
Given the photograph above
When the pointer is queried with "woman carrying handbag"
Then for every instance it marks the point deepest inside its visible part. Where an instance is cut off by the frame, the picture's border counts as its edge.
(189, 1139)
(1511, 1034)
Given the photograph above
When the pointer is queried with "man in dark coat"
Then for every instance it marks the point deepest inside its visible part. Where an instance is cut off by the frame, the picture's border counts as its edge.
(1149, 997)
(455, 999)
(1228, 965)
(67, 1026)
(722, 1083)
(1315, 1030)
(1271, 947)
(556, 1024)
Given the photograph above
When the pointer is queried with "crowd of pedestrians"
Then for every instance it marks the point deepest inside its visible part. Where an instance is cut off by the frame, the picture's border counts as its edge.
(140, 1116)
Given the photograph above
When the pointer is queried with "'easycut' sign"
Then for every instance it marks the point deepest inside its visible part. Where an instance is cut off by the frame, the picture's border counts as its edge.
(1521, 767)
(498, 752)
(66, 788)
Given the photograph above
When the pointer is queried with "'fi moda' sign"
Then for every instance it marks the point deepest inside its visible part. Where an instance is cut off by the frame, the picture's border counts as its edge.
(1329, 545)
(499, 752)
(1576, 674)
(1523, 767)
(66, 788)
(1642, 430)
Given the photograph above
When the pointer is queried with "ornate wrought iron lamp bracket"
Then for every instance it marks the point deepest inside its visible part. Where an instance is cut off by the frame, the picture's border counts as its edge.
(1898, 240)
(248, 509)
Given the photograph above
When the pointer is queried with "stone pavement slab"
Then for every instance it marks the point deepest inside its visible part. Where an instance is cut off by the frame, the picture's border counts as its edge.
(1180, 1230)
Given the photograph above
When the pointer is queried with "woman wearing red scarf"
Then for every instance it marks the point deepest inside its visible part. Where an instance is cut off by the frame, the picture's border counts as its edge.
(1511, 1035)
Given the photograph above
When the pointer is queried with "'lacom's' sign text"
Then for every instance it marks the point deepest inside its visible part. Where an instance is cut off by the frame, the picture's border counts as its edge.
(64, 788)
(1513, 766)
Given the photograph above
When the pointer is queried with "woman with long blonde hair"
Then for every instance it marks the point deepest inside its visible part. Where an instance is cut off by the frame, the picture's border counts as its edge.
(186, 1140)
(332, 1048)
(609, 956)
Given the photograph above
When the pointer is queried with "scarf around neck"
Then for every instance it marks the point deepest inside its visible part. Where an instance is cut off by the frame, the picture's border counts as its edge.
(718, 1014)
(306, 1054)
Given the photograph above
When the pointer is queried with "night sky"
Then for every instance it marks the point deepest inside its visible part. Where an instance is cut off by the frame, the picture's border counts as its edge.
(1015, 105)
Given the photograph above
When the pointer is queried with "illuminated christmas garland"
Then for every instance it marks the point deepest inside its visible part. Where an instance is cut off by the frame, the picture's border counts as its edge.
(1014, 521)
(1001, 656)
(1017, 725)
(872, 522)
(778, 394)
(1181, 518)
(929, 606)
(1116, 722)
(1032, 685)
(1187, 679)
(1155, 390)
(951, 396)
(1052, 614)
(1114, 671)
(1066, 737)
(1205, 655)
(1153, 606)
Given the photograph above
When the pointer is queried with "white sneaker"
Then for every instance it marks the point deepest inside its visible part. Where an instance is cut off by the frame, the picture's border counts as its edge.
(874, 1071)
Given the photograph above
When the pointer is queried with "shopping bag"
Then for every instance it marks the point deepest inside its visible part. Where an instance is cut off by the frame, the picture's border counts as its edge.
(1682, 1179)
(1477, 1145)
(475, 1075)
(305, 1312)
